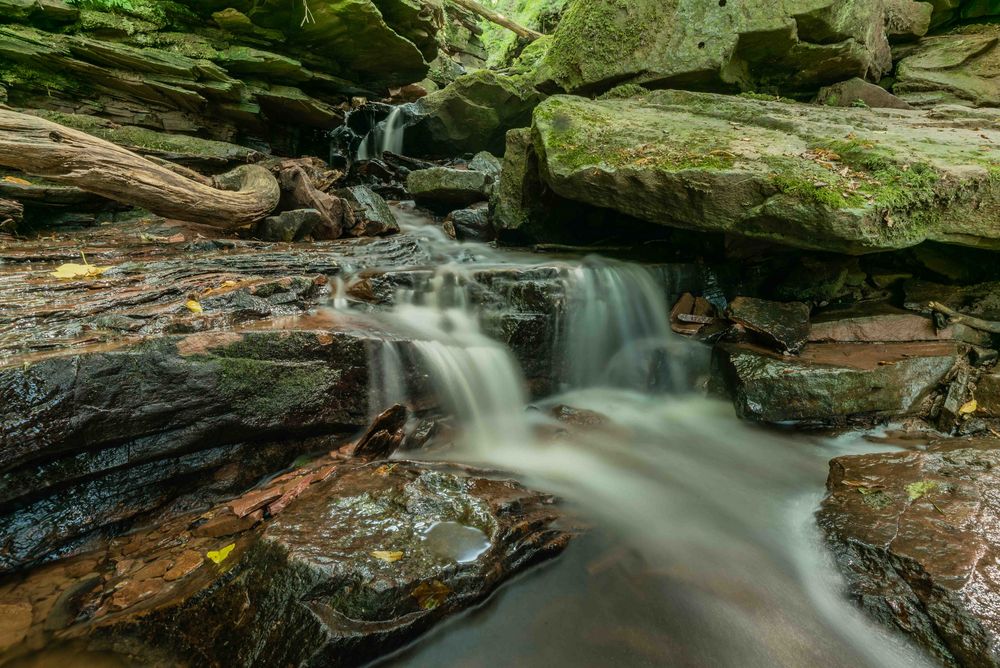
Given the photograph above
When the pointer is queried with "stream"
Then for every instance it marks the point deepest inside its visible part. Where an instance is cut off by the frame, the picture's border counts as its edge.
(702, 549)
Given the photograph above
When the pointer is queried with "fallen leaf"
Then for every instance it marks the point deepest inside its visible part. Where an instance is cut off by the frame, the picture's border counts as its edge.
(218, 556)
(193, 306)
(175, 239)
(17, 180)
(969, 408)
(72, 270)
(386, 555)
(431, 594)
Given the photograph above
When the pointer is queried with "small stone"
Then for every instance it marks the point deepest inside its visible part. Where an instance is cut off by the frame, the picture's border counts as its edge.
(784, 326)
(135, 591)
(226, 524)
(850, 93)
(252, 501)
(154, 569)
(288, 226)
(448, 187)
(471, 224)
(124, 567)
(292, 491)
(187, 563)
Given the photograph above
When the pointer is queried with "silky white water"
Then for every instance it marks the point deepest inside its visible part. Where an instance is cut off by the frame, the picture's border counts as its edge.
(387, 135)
(703, 550)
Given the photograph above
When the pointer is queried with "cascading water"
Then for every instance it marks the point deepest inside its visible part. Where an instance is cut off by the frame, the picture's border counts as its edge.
(387, 135)
(704, 551)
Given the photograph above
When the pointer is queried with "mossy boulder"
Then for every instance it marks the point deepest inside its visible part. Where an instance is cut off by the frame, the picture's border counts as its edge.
(787, 45)
(950, 11)
(839, 179)
(961, 67)
(471, 114)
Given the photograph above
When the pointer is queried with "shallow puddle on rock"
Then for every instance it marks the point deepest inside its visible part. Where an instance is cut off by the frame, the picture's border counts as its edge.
(455, 542)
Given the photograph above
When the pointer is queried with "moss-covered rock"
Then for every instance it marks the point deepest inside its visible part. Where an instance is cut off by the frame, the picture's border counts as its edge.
(950, 11)
(841, 179)
(471, 114)
(961, 67)
(790, 45)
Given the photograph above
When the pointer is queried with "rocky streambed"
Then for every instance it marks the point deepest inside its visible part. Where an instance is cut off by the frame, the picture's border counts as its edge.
(310, 435)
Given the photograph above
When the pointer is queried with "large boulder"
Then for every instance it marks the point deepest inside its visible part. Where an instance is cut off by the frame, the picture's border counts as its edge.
(791, 45)
(828, 383)
(846, 180)
(472, 114)
(962, 67)
(915, 532)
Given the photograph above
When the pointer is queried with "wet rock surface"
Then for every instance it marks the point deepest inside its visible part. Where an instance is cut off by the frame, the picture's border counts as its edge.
(836, 382)
(784, 326)
(333, 563)
(915, 534)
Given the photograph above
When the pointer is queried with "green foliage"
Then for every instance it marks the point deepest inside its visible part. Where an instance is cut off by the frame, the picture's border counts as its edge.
(916, 490)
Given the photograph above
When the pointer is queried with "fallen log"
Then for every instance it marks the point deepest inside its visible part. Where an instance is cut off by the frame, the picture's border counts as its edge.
(499, 19)
(63, 155)
(955, 318)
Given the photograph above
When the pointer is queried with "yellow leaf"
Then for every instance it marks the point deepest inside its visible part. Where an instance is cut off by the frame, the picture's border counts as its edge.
(18, 181)
(385, 555)
(431, 594)
(218, 556)
(969, 408)
(73, 270)
(193, 306)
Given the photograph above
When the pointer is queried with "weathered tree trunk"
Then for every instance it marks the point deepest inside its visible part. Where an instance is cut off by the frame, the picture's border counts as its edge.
(499, 19)
(52, 151)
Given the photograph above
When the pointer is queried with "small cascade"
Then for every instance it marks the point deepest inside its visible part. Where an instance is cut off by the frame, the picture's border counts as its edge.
(385, 136)
(615, 330)
(387, 379)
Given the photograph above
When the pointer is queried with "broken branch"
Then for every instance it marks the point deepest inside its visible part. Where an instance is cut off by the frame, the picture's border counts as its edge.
(956, 318)
(499, 19)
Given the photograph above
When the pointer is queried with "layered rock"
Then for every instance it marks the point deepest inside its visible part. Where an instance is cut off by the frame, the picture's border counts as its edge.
(915, 534)
(961, 67)
(846, 180)
(211, 68)
(341, 562)
(950, 11)
(790, 46)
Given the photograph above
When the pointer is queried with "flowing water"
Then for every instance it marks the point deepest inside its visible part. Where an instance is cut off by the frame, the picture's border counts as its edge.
(703, 550)
(387, 135)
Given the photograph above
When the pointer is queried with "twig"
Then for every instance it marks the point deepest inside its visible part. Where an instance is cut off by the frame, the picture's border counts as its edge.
(308, 16)
(956, 318)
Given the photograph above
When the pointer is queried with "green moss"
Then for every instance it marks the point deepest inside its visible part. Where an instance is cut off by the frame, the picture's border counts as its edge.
(580, 137)
(916, 490)
(270, 389)
(875, 498)
(624, 91)
(764, 97)
(22, 75)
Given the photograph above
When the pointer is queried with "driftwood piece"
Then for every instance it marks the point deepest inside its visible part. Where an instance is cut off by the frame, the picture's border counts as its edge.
(384, 436)
(956, 318)
(499, 19)
(57, 153)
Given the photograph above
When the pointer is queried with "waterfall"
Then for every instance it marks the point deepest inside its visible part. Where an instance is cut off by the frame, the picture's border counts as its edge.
(385, 136)
(615, 330)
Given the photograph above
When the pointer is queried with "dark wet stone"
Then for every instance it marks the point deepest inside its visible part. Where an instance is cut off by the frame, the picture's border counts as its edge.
(371, 215)
(915, 533)
(830, 383)
(472, 224)
(288, 225)
(364, 559)
(784, 326)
